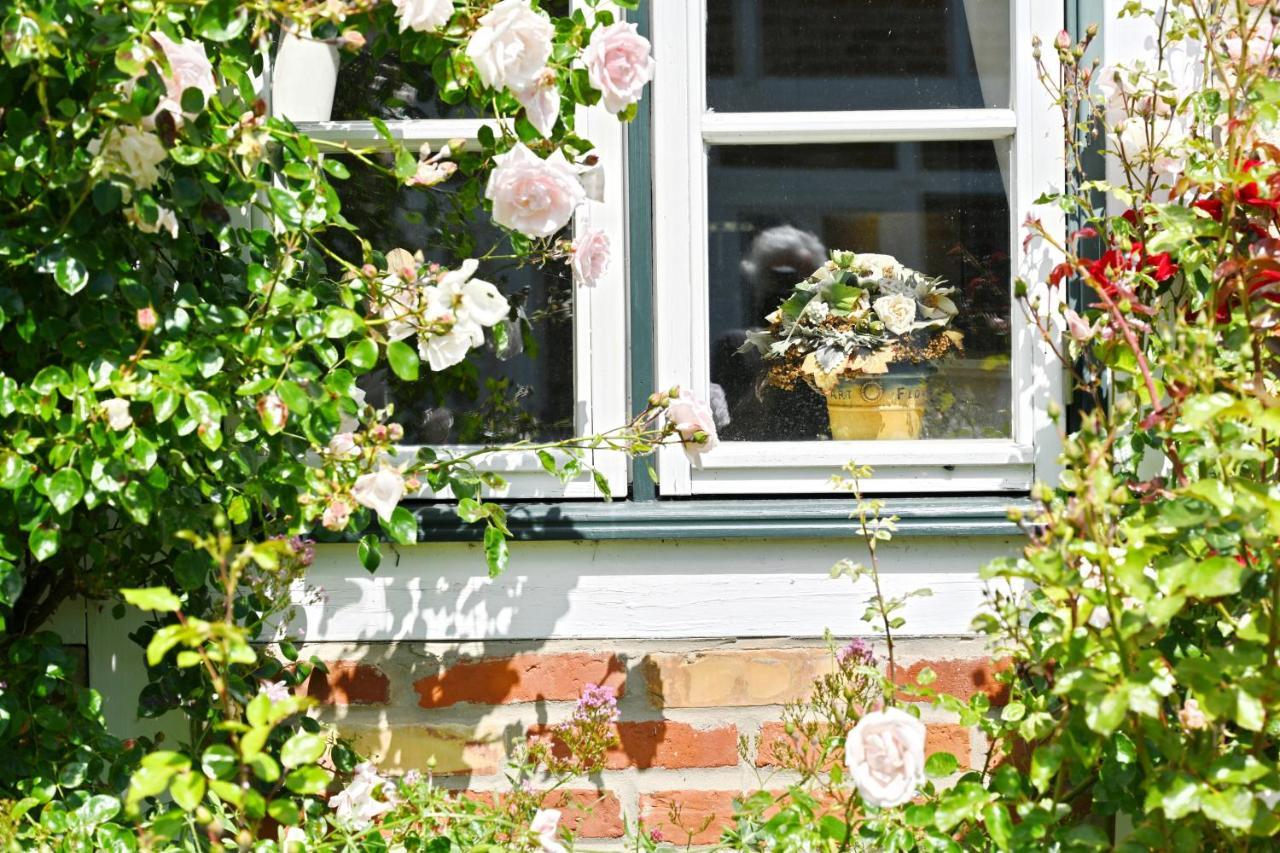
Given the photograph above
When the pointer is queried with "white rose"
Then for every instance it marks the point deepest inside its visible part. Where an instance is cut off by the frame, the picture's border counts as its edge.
(591, 257)
(885, 756)
(511, 46)
(533, 196)
(136, 153)
(897, 312)
(691, 416)
(380, 491)
(424, 15)
(541, 101)
(189, 68)
(618, 64)
(356, 805)
(117, 411)
(544, 825)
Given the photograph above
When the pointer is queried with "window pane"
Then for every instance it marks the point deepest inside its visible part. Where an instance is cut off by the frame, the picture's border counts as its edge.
(384, 86)
(938, 207)
(857, 54)
(525, 392)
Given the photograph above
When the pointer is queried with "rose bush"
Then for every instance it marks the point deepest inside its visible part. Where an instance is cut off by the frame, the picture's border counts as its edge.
(185, 315)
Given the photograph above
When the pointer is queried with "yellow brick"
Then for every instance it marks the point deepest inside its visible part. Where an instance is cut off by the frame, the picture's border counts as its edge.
(733, 677)
(456, 749)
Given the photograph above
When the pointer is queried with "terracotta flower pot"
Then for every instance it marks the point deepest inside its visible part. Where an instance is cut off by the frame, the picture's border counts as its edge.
(885, 406)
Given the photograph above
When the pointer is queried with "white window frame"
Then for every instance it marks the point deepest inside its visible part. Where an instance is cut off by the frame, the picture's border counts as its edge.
(600, 328)
(683, 129)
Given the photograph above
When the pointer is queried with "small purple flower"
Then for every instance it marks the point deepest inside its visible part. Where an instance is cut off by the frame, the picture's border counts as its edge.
(857, 653)
(304, 550)
(596, 698)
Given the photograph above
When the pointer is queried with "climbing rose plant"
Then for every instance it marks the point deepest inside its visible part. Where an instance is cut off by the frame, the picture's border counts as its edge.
(183, 324)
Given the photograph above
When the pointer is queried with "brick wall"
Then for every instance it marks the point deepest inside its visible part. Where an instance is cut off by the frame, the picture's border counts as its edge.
(686, 707)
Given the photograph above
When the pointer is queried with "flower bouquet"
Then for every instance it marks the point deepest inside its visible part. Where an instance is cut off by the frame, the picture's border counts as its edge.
(864, 331)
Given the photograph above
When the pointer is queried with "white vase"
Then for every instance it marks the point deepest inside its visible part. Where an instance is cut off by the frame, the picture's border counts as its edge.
(304, 78)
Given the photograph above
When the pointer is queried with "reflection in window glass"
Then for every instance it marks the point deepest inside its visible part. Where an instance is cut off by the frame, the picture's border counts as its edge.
(773, 220)
(526, 391)
(377, 83)
(857, 54)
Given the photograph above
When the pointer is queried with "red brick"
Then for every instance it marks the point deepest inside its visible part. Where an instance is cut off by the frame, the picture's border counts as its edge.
(952, 738)
(688, 817)
(962, 678)
(519, 678)
(348, 683)
(590, 814)
(662, 743)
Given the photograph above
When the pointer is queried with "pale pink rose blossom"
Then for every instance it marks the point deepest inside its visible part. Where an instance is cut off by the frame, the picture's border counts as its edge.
(544, 825)
(189, 68)
(357, 805)
(885, 756)
(423, 15)
(591, 257)
(277, 691)
(533, 196)
(541, 101)
(336, 515)
(1191, 717)
(511, 46)
(343, 446)
(117, 411)
(694, 421)
(618, 64)
(380, 491)
(147, 318)
(1079, 328)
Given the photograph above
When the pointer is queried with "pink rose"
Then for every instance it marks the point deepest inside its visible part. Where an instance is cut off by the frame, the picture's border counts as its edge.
(533, 196)
(189, 68)
(590, 257)
(336, 515)
(511, 46)
(618, 64)
(694, 421)
(343, 446)
(885, 755)
(423, 15)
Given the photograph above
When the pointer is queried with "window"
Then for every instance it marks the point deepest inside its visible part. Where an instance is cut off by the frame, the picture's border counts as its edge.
(873, 126)
(914, 128)
(561, 370)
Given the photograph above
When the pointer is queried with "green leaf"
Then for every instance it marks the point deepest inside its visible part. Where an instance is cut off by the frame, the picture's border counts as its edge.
(1234, 807)
(192, 100)
(65, 489)
(302, 748)
(369, 552)
(403, 360)
(1214, 577)
(999, 825)
(402, 528)
(308, 780)
(14, 471)
(43, 541)
(284, 812)
(187, 790)
(219, 762)
(495, 551)
(152, 598)
(340, 322)
(70, 275)
(363, 354)
(221, 20)
(941, 764)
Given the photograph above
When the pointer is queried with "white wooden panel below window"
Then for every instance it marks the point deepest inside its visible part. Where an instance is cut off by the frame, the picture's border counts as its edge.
(659, 589)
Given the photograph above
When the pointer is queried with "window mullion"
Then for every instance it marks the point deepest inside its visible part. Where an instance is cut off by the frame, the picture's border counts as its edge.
(777, 128)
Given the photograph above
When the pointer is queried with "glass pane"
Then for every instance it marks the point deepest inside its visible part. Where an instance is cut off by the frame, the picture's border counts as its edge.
(940, 208)
(857, 54)
(373, 83)
(524, 392)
